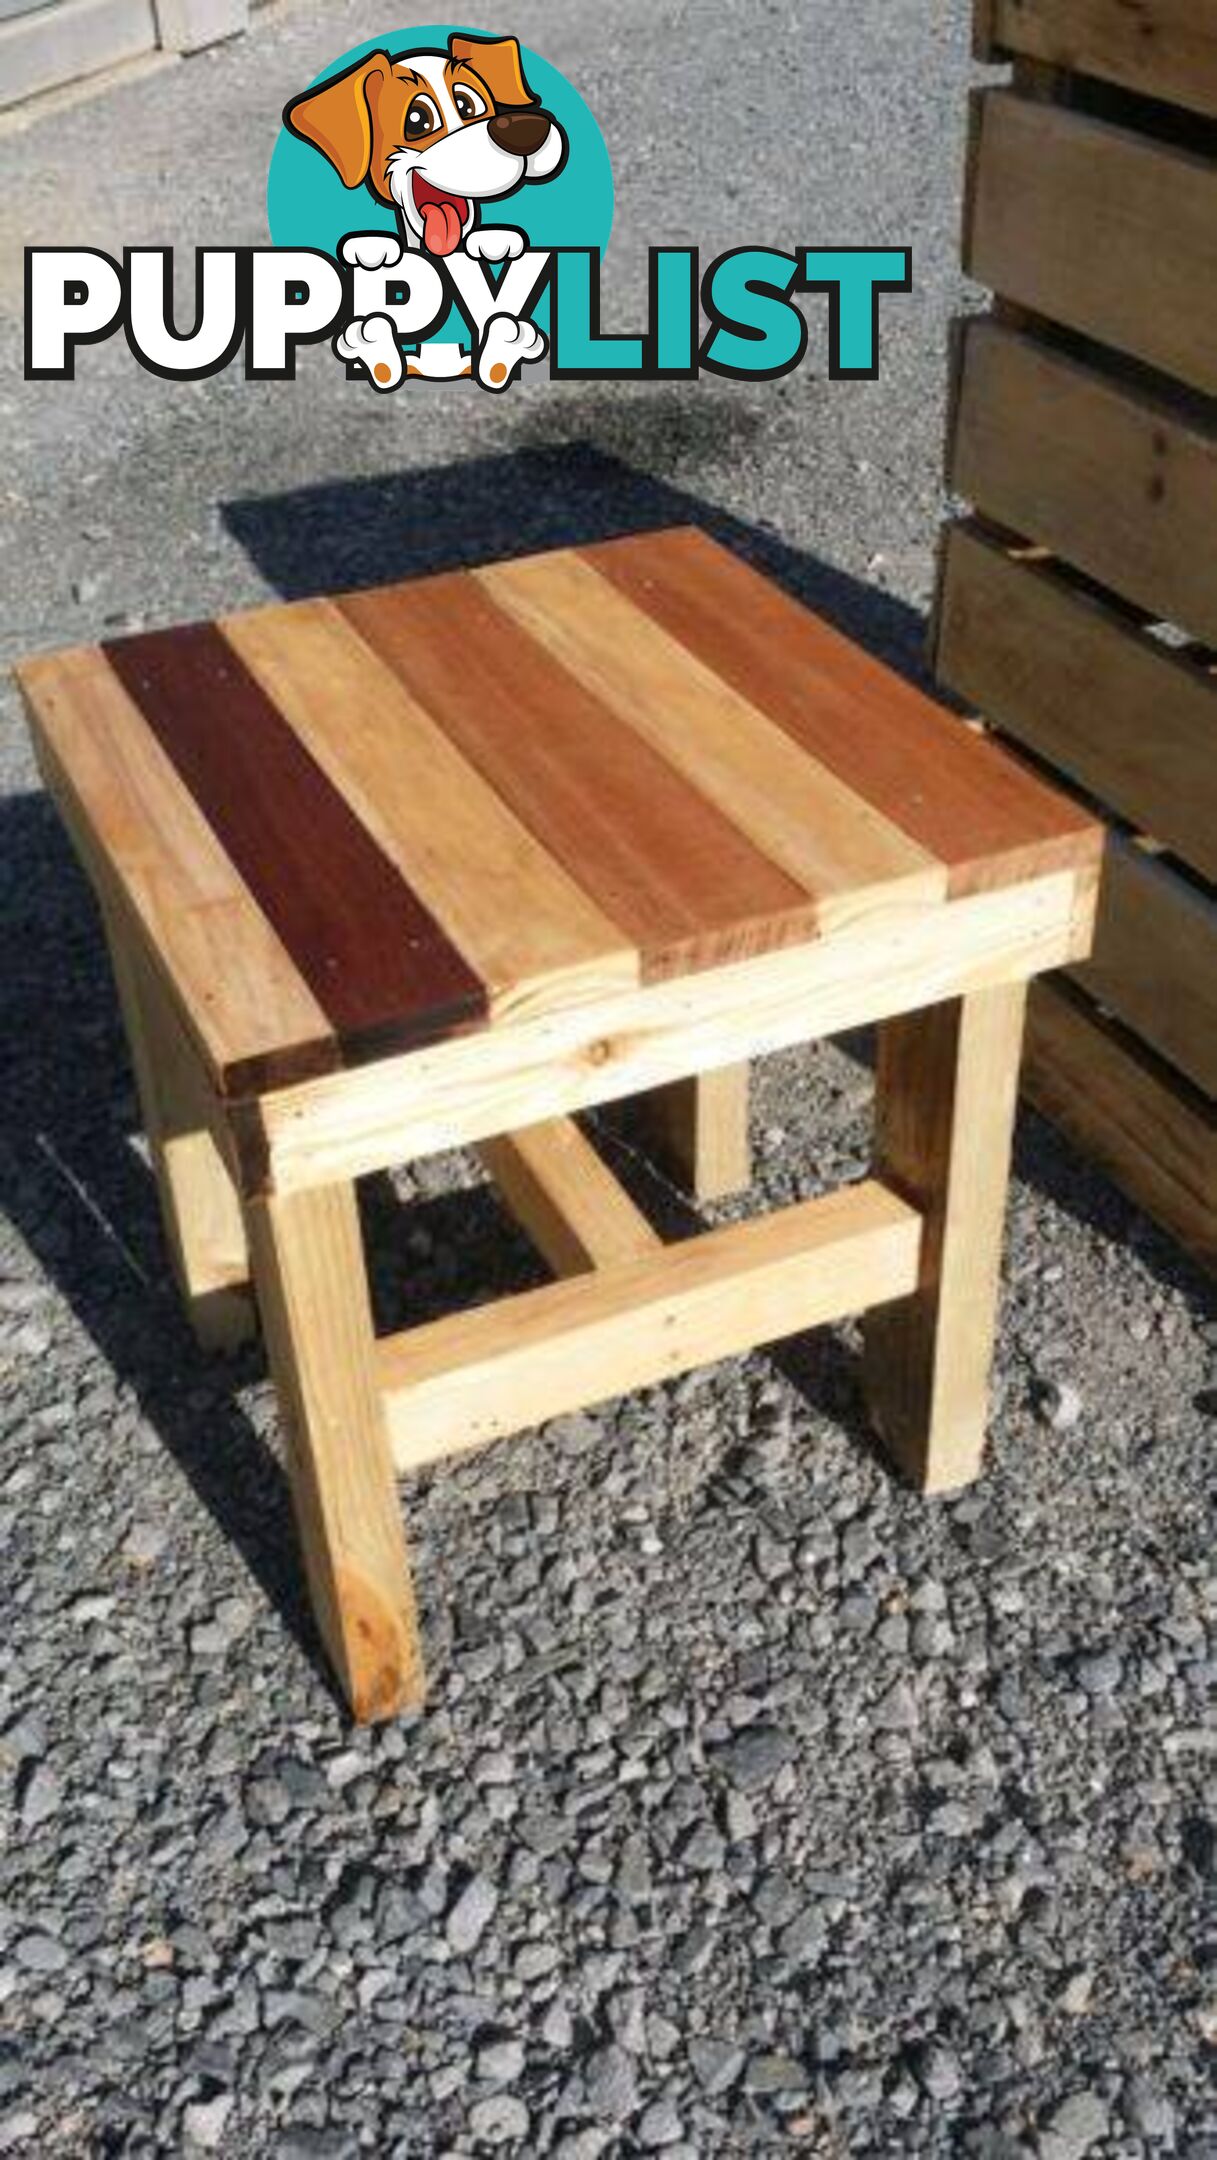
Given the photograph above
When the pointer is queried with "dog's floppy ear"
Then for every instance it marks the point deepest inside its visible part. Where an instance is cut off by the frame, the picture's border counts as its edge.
(497, 61)
(337, 119)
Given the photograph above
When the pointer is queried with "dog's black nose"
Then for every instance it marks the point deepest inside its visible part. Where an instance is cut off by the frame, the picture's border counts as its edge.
(519, 132)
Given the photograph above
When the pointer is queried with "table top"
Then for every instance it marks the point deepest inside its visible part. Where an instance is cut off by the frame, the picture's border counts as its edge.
(348, 826)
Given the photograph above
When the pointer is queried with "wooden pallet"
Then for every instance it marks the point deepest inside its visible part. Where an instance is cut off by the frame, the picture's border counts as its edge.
(1077, 605)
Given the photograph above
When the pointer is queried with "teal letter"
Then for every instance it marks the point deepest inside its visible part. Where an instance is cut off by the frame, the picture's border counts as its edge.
(673, 310)
(578, 348)
(853, 278)
(757, 331)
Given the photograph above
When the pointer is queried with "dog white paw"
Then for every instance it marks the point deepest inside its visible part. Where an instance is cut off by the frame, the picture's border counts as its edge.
(372, 344)
(505, 347)
(372, 250)
(500, 243)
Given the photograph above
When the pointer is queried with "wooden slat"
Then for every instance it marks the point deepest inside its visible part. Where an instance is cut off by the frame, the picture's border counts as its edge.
(1163, 48)
(967, 804)
(567, 1200)
(522, 924)
(464, 1091)
(152, 855)
(684, 885)
(377, 961)
(461, 1382)
(1150, 1131)
(847, 855)
(1155, 959)
(1119, 484)
(1100, 229)
(1131, 721)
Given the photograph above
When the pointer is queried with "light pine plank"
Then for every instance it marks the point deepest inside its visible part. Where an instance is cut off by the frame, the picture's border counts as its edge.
(464, 1091)
(850, 857)
(204, 1229)
(1129, 720)
(461, 1382)
(1098, 228)
(155, 861)
(312, 1291)
(566, 1199)
(1162, 48)
(1150, 1131)
(1155, 959)
(522, 922)
(1119, 484)
(946, 1089)
(701, 1125)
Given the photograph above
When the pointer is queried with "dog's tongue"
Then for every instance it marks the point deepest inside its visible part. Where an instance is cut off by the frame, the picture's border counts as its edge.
(441, 226)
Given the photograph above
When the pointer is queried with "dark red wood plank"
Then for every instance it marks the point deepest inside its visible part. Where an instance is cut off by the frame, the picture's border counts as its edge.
(376, 960)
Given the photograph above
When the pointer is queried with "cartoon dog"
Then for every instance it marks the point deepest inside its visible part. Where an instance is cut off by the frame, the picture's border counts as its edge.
(436, 134)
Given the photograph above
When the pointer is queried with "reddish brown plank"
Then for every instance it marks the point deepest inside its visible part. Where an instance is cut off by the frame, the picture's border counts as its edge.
(985, 817)
(684, 885)
(378, 963)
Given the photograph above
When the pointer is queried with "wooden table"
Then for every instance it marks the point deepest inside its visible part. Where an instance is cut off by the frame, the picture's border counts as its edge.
(450, 861)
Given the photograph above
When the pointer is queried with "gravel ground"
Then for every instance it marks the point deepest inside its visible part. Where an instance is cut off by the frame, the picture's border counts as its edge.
(758, 1804)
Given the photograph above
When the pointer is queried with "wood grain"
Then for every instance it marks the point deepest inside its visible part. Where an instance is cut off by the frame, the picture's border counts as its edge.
(1134, 1115)
(1073, 679)
(567, 1200)
(1162, 48)
(1121, 485)
(1155, 959)
(946, 1088)
(966, 804)
(848, 855)
(468, 1089)
(685, 886)
(461, 1382)
(1104, 230)
(521, 923)
(700, 1125)
(374, 957)
(156, 862)
(312, 1292)
(204, 1228)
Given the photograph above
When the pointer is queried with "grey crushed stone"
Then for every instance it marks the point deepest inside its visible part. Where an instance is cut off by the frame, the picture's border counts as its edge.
(790, 1790)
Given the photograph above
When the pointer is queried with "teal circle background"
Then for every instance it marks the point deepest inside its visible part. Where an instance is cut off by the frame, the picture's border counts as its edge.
(308, 206)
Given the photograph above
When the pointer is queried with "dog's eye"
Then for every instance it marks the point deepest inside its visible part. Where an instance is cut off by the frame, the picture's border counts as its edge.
(422, 118)
(469, 103)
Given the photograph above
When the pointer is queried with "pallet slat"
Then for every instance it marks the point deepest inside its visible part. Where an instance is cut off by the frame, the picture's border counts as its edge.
(1117, 1102)
(1155, 960)
(1097, 228)
(1118, 712)
(1118, 483)
(1162, 48)
(461, 1382)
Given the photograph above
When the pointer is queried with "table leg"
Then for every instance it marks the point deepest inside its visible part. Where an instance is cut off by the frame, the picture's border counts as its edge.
(199, 1204)
(702, 1123)
(312, 1288)
(947, 1086)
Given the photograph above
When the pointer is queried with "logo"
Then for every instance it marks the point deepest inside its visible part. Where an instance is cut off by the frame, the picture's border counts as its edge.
(439, 202)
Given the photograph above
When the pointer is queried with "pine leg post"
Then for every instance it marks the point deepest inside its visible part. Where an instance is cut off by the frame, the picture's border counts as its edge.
(947, 1086)
(701, 1124)
(312, 1288)
(199, 1204)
